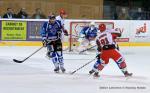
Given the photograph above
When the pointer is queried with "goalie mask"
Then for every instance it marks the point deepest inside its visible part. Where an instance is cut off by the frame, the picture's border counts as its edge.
(102, 27)
(92, 25)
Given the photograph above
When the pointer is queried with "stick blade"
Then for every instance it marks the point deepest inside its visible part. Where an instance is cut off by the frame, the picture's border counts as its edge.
(72, 72)
(17, 61)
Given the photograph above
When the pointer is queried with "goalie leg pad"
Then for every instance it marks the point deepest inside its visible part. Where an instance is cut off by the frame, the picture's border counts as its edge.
(92, 42)
(83, 45)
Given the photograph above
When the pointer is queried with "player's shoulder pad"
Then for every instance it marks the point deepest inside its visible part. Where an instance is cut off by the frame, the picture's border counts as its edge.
(58, 17)
(45, 24)
(58, 22)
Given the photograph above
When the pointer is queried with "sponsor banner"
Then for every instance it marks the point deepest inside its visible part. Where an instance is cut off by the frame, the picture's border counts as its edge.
(122, 40)
(132, 30)
(34, 28)
(13, 30)
(123, 26)
(140, 31)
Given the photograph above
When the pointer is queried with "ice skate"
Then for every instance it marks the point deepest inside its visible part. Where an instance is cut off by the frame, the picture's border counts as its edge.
(48, 56)
(91, 71)
(63, 69)
(96, 75)
(56, 70)
(128, 74)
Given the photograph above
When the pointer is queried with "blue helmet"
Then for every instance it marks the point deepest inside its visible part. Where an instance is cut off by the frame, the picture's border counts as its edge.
(51, 17)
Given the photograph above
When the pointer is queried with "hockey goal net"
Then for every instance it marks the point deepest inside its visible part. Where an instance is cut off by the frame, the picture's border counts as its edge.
(76, 27)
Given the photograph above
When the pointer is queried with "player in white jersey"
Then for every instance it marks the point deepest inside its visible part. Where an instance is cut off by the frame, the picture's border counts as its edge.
(106, 44)
(61, 17)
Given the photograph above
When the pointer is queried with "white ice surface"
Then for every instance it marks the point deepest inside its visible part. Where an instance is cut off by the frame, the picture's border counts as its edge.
(36, 74)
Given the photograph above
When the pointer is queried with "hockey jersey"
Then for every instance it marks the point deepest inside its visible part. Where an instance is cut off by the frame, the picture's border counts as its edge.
(51, 31)
(60, 19)
(107, 37)
(88, 32)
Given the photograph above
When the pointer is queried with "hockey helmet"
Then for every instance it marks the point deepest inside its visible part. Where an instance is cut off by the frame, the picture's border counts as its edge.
(102, 27)
(92, 23)
(51, 17)
(62, 11)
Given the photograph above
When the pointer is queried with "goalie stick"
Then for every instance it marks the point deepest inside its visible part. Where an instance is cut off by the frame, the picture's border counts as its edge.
(82, 66)
(21, 61)
(87, 49)
(76, 36)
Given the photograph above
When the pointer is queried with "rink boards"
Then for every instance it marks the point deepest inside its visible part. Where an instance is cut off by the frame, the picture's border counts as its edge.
(26, 32)
(65, 44)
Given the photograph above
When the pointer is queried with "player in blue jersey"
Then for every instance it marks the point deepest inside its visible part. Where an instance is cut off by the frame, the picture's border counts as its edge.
(51, 37)
(87, 36)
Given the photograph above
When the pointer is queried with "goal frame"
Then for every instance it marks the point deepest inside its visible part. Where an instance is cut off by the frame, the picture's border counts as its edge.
(86, 23)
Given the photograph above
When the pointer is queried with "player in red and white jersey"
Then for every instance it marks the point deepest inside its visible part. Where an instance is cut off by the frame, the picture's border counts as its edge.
(106, 45)
(61, 17)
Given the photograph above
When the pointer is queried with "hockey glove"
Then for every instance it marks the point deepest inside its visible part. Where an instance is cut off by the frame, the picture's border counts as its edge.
(59, 34)
(65, 32)
(44, 42)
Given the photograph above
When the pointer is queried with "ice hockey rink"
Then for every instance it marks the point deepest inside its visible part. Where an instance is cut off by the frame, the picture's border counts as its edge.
(36, 75)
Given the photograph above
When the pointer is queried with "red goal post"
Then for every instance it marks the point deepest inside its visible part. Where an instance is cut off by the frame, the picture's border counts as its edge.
(76, 27)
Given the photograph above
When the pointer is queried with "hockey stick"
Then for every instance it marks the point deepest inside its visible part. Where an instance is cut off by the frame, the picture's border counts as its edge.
(87, 49)
(76, 36)
(82, 66)
(21, 61)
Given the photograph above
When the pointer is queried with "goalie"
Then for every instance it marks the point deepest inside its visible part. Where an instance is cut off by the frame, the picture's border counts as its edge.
(87, 37)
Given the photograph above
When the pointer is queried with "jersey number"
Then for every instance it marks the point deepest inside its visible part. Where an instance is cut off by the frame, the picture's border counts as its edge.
(104, 41)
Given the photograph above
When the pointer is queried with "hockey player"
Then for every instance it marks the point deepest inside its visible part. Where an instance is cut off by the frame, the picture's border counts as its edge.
(114, 33)
(51, 36)
(87, 36)
(108, 50)
(61, 17)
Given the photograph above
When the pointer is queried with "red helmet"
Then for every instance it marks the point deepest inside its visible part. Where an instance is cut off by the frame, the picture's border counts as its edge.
(102, 27)
(62, 11)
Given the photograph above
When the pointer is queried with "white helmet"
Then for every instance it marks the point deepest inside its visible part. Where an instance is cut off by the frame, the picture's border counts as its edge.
(92, 23)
